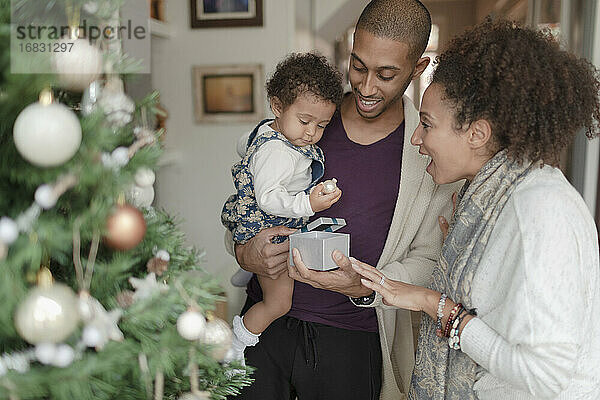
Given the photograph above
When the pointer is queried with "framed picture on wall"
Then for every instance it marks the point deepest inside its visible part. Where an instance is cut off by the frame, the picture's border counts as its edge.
(230, 93)
(226, 13)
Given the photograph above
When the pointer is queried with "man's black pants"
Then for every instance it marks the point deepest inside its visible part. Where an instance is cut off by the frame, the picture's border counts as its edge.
(313, 361)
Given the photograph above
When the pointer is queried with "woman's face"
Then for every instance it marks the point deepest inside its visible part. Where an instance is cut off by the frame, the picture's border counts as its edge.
(452, 157)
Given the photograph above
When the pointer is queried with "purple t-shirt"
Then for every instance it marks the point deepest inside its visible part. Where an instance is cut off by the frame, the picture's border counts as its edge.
(369, 177)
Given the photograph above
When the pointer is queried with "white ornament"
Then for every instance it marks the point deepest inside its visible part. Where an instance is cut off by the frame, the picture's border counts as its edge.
(91, 336)
(120, 156)
(45, 352)
(47, 135)
(64, 356)
(218, 334)
(101, 326)
(45, 197)
(329, 186)
(117, 106)
(3, 368)
(144, 177)
(90, 97)
(9, 232)
(91, 7)
(47, 315)
(163, 255)
(141, 197)
(147, 287)
(79, 66)
(191, 325)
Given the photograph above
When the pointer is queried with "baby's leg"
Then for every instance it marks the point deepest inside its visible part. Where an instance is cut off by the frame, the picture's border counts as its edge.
(277, 301)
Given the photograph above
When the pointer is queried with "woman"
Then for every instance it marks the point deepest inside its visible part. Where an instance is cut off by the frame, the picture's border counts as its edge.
(512, 312)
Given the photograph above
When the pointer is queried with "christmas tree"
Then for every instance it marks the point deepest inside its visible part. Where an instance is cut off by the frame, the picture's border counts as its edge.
(99, 296)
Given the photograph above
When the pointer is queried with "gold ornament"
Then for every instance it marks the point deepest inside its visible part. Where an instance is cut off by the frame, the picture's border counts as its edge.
(218, 335)
(125, 227)
(49, 313)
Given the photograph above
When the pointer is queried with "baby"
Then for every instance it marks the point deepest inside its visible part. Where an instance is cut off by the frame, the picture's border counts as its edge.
(276, 179)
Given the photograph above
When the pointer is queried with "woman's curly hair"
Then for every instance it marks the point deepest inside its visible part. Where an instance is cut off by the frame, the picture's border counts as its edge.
(302, 73)
(535, 95)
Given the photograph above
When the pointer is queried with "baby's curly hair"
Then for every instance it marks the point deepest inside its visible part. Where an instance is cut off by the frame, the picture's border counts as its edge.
(302, 73)
(535, 95)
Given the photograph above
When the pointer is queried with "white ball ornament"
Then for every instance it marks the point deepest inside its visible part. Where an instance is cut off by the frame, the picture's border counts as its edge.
(191, 325)
(144, 177)
(91, 336)
(79, 66)
(64, 356)
(218, 334)
(120, 156)
(48, 314)
(9, 231)
(45, 197)
(163, 255)
(141, 197)
(45, 352)
(47, 135)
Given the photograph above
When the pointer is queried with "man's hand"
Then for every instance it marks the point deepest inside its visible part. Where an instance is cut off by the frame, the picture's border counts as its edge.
(343, 280)
(262, 257)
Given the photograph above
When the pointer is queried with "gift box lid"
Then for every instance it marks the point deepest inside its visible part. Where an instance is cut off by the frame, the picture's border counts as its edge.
(324, 224)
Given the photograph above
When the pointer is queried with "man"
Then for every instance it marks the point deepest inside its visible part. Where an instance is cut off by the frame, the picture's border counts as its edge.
(338, 341)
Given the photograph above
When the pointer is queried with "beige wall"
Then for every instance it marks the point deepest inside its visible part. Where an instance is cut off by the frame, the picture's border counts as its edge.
(196, 181)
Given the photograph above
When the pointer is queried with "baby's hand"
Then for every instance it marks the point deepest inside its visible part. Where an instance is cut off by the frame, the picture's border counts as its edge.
(320, 201)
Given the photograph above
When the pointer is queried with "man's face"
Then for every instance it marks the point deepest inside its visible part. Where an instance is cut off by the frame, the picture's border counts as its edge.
(380, 71)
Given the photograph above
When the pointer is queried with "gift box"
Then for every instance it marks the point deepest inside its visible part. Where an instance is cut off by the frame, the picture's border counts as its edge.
(317, 240)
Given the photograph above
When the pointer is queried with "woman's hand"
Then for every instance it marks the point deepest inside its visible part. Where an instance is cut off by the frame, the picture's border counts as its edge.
(394, 293)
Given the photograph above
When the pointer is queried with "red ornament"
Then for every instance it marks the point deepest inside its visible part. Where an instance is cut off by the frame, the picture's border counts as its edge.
(125, 228)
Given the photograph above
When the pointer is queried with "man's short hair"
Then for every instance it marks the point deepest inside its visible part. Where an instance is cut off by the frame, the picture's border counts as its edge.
(406, 21)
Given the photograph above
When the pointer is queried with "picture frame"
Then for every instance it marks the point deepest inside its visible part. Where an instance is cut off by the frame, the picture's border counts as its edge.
(226, 13)
(228, 93)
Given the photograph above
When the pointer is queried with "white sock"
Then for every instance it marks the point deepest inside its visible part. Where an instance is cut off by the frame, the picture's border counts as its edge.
(241, 278)
(242, 338)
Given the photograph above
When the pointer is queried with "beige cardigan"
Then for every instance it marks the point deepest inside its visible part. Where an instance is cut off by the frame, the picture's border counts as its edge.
(411, 249)
(410, 252)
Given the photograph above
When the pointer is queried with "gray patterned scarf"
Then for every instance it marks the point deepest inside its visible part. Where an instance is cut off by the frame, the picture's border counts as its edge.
(441, 373)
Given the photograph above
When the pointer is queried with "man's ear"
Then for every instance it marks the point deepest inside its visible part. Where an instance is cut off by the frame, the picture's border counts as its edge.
(422, 63)
(276, 106)
(480, 134)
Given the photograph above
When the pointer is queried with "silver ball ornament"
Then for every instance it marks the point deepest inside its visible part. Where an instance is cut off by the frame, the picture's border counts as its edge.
(191, 325)
(218, 335)
(47, 135)
(48, 314)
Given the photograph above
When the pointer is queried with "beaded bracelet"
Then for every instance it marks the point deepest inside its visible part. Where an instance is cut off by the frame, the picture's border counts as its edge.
(440, 312)
(454, 338)
(455, 310)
